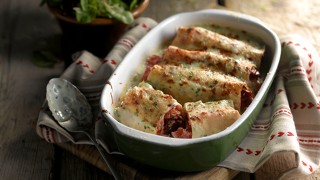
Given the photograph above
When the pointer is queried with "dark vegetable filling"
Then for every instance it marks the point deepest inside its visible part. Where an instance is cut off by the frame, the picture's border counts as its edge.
(246, 98)
(176, 124)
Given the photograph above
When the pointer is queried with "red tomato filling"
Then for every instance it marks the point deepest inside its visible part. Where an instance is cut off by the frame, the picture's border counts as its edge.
(246, 98)
(151, 61)
(176, 125)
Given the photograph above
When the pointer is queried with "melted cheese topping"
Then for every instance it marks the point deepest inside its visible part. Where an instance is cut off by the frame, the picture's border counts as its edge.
(205, 68)
(143, 108)
(209, 60)
(211, 117)
(198, 38)
(190, 85)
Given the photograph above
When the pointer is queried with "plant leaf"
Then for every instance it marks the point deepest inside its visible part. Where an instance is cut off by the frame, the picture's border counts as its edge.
(83, 16)
(133, 4)
(44, 59)
(118, 12)
(87, 10)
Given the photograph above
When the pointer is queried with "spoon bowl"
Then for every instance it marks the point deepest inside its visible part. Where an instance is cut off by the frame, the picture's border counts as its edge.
(68, 105)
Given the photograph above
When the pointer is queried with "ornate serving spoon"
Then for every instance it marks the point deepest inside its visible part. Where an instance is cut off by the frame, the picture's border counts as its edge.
(72, 111)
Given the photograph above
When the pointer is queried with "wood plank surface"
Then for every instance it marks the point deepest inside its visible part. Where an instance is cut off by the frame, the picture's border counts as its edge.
(22, 154)
(284, 17)
(26, 27)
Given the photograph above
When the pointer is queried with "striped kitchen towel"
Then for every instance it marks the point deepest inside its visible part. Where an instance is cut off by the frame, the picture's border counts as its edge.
(290, 118)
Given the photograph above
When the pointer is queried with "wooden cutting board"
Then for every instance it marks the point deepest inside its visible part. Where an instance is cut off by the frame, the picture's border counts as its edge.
(135, 170)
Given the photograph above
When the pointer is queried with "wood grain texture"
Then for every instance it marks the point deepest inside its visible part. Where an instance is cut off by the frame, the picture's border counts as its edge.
(284, 17)
(75, 168)
(135, 170)
(22, 154)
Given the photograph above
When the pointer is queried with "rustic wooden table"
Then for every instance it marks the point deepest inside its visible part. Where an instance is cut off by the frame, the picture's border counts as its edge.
(25, 27)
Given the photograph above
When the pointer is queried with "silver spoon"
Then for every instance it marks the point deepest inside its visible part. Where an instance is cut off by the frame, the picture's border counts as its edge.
(72, 111)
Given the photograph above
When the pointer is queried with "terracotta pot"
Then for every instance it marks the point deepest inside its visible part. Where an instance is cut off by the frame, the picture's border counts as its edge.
(97, 37)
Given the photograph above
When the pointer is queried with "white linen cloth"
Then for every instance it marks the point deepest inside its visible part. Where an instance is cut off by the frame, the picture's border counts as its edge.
(289, 120)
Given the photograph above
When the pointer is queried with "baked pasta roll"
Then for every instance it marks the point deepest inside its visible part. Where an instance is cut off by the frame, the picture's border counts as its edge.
(152, 111)
(242, 69)
(210, 117)
(190, 85)
(198, 38)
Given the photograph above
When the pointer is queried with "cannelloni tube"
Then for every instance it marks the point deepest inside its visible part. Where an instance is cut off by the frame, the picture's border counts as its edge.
(198, 38)
(190, 85)
(152, 111)
(242, 69)
(210, 117)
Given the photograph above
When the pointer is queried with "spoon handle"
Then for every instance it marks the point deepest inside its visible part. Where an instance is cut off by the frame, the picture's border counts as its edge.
(107, 158)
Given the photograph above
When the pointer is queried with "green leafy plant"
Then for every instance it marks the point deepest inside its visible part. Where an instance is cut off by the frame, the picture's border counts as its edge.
(87, 10)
